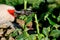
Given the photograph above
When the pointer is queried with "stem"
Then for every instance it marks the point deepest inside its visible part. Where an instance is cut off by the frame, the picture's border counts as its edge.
(37, 26)
(25, 4)
(25, 31)
(36, 23)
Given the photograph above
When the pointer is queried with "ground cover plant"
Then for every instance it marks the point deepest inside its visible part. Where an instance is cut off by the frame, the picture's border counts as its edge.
(40, 20)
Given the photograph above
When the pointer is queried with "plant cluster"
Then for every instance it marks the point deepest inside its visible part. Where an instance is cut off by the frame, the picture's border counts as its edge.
(45, 15)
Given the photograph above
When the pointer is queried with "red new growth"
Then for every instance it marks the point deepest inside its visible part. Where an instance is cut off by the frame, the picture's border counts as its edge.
(11, 12)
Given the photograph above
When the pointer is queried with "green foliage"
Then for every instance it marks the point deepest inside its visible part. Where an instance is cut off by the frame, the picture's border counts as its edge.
(58, 18)
(35, 3)
(29, 18)
(46, 31)
(51, 22)
(54, 39)
(47, 17)
(22, 17)
(55, 33)
(26, 18)
(2, 1)
(46, 38)
(14, 2)
(52, 6)
(50, 1)
(23, 36)
(53, 16)
(15, 33)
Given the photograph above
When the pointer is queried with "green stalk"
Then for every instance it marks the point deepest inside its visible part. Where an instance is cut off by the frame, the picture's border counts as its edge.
(37, 26)
(25, 31)
(25, 4)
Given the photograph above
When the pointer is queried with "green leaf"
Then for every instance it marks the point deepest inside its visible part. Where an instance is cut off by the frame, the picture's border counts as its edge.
(32, 37)
(35, 3)
(53, 16)
(40, 36)
(20, 1)
(58, 18)
(22, 17)
(51, 22)
(55, 33)
(13, 2)
(46, 31)
(56, 26)
(29, 18)
(54, 39)
(57, 1)
(14, 33)
(52, 6)
(23, 36)
(46, 16)
(20, 37)
(45, 38)
(50, 1)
